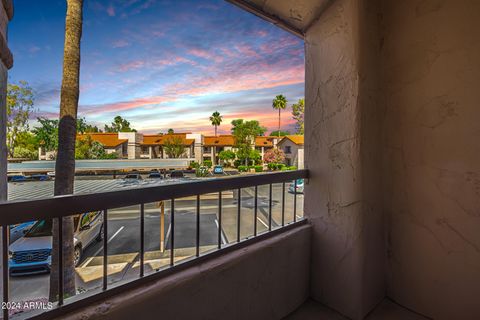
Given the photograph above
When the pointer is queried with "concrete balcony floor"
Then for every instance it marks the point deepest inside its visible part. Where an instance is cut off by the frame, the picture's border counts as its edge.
(386, 310)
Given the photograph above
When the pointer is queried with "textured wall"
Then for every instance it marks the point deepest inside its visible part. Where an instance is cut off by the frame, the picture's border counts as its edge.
(431, 65)
(267, 280)
(342, 123)
(6, 61)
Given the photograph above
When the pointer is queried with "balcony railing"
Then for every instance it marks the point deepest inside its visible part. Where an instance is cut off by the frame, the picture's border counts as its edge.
(69, 205)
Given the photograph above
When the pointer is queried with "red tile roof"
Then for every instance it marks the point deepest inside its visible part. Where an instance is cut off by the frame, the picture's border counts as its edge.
(109, 140)
(159, 139)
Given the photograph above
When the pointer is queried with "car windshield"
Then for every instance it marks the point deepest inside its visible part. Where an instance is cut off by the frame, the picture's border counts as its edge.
(42, 228)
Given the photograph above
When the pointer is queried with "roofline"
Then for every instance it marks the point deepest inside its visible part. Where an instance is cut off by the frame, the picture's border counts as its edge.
(269, 17)
(287, 137)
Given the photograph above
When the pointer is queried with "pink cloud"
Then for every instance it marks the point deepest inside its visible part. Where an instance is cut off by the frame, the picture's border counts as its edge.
(120, 43)
(246, 50)
(111, 10)
(124, 105)
(131, 65)
(205, 55)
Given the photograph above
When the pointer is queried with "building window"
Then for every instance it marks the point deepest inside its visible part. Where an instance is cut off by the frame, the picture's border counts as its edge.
(288, 149)
(144, 150)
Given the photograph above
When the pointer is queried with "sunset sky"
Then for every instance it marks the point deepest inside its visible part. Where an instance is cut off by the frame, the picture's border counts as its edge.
(160, 64)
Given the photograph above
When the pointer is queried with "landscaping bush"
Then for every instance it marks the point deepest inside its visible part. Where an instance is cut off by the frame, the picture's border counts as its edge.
(292, 168)
(207, 163)
(242, 168)
(194, 164)
(284, 168)
(258, 168)
(272, 166)
(280, 166)
(237, 163)
(20, 152)
(201, 172)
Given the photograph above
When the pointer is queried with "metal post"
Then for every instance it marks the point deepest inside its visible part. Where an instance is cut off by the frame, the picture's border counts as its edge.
(238, 213)
(60, 261)
(5, 271)
(219, 219)
(255, 212)
(105, 248)
(172, 231)
(270, 209)
(295, 202)
(283, 204)
(198, 226)
(142, 239)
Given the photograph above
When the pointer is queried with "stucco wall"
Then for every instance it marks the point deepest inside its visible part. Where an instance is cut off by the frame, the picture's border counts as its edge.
(267, 280)
(431, 65)
(343, 195)
(6, 62)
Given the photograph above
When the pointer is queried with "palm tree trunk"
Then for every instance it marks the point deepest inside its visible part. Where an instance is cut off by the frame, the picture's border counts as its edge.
(279, 123)
(65, 164)
(215, 130)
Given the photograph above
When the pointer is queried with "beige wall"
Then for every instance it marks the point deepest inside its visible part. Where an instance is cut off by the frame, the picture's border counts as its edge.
(431, 68)
(267, 280)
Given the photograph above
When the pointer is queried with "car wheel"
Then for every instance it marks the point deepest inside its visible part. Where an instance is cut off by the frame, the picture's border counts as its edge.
(77, 255)
(100, 234)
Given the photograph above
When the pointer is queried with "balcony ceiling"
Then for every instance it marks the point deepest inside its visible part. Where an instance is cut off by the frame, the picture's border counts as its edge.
(295, 16)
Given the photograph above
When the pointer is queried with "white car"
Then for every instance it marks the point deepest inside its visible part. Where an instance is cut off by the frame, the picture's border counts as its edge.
(31, 254)
(300, 186)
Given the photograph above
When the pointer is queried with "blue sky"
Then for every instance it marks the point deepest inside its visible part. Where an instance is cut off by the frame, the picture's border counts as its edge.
(160, 64)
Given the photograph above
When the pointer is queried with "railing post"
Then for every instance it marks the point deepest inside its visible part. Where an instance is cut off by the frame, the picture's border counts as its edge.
(295, 202)
(60, 261)
(105, 248)
(172, 231)
(270, 209)
(198, 227)
(283, 204)
(220, 220)
(239, 211)
(142, 239)
(5, 271)
(255, 212)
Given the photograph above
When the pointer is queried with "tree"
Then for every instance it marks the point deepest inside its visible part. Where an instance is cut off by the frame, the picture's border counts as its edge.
(216, 119)
(19, 107)
(274, 156)
(87, 148)
(279, 103)
(119, 125)
(65, 164)
(26, 146)
(170, 131)
(173, 147)
(245, 133)
(47, 133)
(226, 156)
(280, 133)
(298, 110)
(84, 127)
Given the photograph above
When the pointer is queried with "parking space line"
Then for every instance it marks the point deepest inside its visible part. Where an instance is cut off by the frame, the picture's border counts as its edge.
(224, 240)
(266, 226)
(100, 249)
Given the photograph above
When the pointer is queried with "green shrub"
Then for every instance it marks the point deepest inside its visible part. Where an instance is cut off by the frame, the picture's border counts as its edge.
(258, 168)
(292, 168)
(237, 163)
(272, 166)
(242, 168)
(201, 172)
(194, 164)
(284, 168)
(207, 163)
(280, 166)
(21, 152)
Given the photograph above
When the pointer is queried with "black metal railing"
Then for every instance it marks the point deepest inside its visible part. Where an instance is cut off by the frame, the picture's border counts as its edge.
(57, 207)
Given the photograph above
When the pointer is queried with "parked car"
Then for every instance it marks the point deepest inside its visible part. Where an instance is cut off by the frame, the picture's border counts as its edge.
(17, 178)
(155, 175)
(300, 185)
(176, 174)
(32, 253)
(133, 176)
(18, 230)
(40, 177)
(218, 169)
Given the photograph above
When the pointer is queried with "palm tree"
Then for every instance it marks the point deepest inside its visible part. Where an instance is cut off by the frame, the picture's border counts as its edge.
(65, 164)
(216, 119)
(279, 103)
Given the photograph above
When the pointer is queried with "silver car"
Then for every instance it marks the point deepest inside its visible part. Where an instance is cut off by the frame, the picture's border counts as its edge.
(31, 254)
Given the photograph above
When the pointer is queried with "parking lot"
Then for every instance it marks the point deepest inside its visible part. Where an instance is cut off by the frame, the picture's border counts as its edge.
(124, 236)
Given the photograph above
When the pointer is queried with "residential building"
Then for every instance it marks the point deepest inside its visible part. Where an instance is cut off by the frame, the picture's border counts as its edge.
(292, 146)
